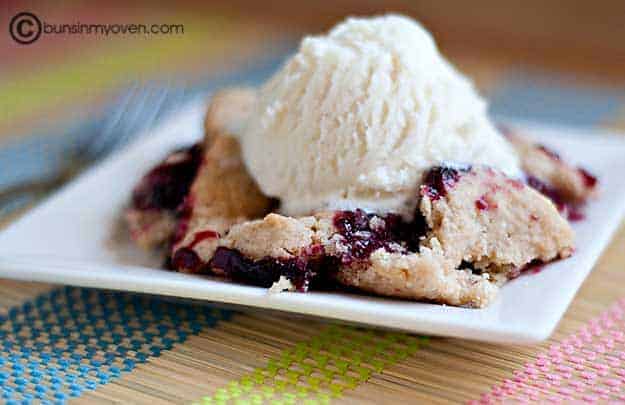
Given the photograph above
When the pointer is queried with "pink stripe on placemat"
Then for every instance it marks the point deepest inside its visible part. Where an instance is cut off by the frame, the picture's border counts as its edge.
(587, 366)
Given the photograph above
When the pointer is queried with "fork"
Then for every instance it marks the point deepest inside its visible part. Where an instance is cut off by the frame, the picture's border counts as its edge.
(137, 109)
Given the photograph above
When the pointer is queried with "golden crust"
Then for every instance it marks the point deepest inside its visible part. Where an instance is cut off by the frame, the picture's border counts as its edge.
(222, 195)
(227, 112)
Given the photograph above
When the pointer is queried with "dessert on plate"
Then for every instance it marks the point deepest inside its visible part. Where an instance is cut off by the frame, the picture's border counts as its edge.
(367, 161)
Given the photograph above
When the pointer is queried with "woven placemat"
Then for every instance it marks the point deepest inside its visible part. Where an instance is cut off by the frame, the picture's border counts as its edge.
(60, 343)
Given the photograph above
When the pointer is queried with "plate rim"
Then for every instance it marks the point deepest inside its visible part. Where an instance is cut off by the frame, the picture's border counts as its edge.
(29, 269)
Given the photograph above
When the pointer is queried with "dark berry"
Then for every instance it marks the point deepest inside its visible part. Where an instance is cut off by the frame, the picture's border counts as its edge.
(481, 204)
(166, 185)
(187, 259)
(364, 233)
(301, 271)
(533, 267)
(440, 179)
(590, 181)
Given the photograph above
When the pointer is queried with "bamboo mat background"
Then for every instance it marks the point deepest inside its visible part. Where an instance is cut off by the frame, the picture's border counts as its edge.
(61, 344)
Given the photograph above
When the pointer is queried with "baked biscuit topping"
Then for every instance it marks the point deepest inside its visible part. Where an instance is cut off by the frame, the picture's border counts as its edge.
(472, 229)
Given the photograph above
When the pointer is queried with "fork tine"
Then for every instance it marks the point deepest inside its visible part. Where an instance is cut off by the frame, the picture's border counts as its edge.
(136, 115)
(100, 143)
(141, 115)
(157, 108)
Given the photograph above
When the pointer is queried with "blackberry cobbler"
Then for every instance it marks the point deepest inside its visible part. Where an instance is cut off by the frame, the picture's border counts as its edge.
(472, 229)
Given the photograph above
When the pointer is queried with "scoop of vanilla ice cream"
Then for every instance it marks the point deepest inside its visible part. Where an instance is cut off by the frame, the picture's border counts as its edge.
(356, 116)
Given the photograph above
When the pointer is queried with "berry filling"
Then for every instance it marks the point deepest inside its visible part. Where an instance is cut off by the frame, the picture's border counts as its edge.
(301, 271)
(590, 181)
(166, 185)
(186, 258)
(485, 203)
(358, 234)
(533, 267)
(361, 234)
(364, 233)
(567, 208)
(440, 179)
(202, 236)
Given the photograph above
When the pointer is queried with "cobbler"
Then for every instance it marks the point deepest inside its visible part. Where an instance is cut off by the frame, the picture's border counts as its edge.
(473, 227)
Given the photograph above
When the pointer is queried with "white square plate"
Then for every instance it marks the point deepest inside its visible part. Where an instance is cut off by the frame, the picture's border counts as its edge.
(72, 239)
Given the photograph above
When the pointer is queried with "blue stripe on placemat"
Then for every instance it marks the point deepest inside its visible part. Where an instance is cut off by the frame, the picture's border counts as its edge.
(73, 340)
(554, 99)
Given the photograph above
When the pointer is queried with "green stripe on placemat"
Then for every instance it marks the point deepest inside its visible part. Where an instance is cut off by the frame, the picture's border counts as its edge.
(340, 358)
